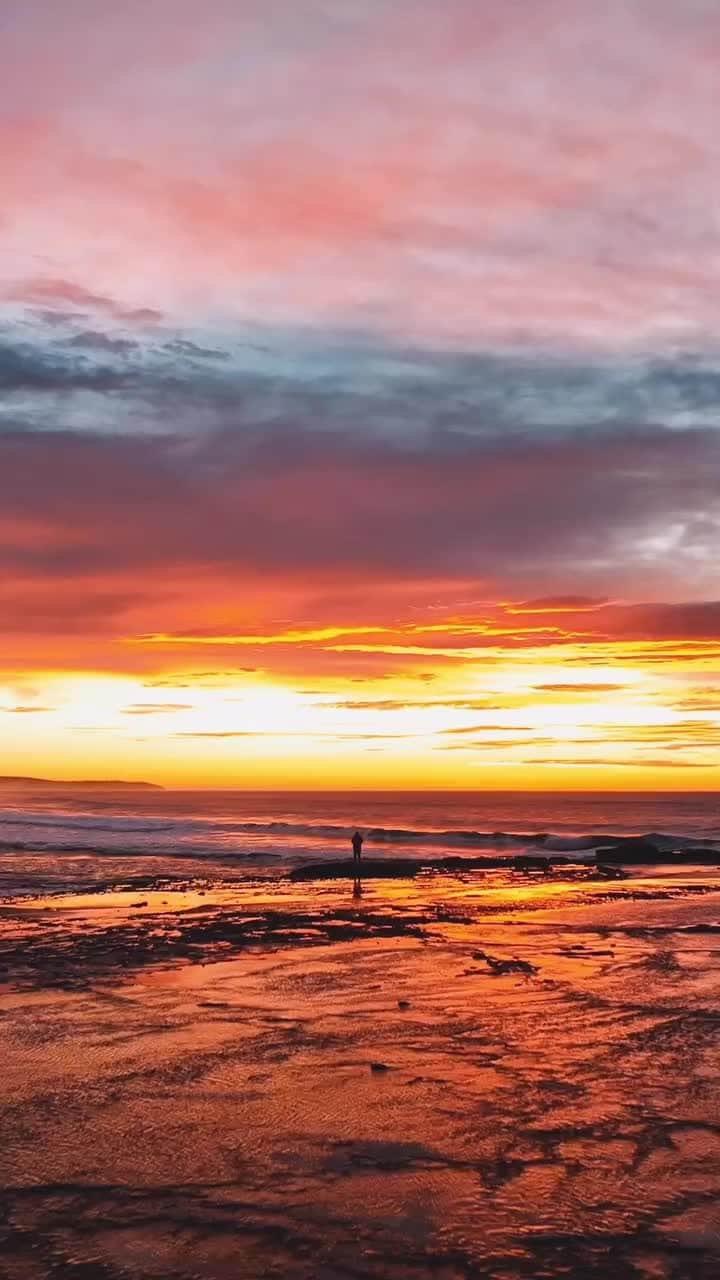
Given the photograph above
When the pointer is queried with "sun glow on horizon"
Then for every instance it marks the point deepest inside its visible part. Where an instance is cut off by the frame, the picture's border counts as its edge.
(528, 721)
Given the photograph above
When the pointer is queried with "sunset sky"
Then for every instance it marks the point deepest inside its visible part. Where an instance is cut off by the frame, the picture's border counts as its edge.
(360, 371)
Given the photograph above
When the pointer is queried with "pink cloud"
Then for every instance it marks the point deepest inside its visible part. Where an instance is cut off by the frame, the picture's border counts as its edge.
(548, 170)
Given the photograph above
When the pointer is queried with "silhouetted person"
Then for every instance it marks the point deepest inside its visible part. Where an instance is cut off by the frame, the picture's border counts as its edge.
(357, 844)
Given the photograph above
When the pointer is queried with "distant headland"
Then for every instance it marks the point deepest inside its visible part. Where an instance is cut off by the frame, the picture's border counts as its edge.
(103, 784)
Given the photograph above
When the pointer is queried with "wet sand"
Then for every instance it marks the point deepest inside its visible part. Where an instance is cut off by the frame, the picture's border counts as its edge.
(282, 1081)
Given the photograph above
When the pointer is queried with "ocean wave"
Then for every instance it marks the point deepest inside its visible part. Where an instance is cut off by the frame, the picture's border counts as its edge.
(291, 833)
(293, 841)
(222, 829)
(221, 833)
(82, 822)
(137, 851)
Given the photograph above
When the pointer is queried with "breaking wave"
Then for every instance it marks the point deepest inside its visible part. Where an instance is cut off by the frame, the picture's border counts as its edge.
(231, 839)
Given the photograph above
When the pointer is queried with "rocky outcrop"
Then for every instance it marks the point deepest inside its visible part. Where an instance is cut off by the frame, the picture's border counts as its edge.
(407, 868)
(369, 869)
(632, 851)
(644, 853)
(531, 863)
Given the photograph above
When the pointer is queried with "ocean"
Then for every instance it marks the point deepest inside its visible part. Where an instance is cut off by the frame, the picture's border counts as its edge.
(54, 840)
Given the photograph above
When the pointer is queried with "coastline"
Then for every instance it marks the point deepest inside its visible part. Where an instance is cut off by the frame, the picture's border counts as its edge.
(220, 1062)
(276, 1080)
(71, 939)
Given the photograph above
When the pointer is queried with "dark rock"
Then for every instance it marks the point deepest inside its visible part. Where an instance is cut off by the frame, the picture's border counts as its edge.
(500, 967)
(632, 851)
(403, 1004)
(379, 1067)
(370, 869)
(644, 852)
(710, 857)
(525, 862)
(408, 868)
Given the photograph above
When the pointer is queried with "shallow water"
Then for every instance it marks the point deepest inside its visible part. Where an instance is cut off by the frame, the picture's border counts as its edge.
(215, 1113)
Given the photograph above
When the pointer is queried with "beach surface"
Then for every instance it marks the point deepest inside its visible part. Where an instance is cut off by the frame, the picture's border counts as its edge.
(455, 1076)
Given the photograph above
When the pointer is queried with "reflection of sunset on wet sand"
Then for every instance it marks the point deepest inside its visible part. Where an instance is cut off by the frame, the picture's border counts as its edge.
(359, 640)
(385, 1105)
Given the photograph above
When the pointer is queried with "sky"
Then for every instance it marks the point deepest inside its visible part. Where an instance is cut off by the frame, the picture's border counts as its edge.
(360, 373)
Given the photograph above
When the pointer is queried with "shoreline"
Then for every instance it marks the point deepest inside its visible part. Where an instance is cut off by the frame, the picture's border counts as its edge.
(73, 939)
(456, 1077)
